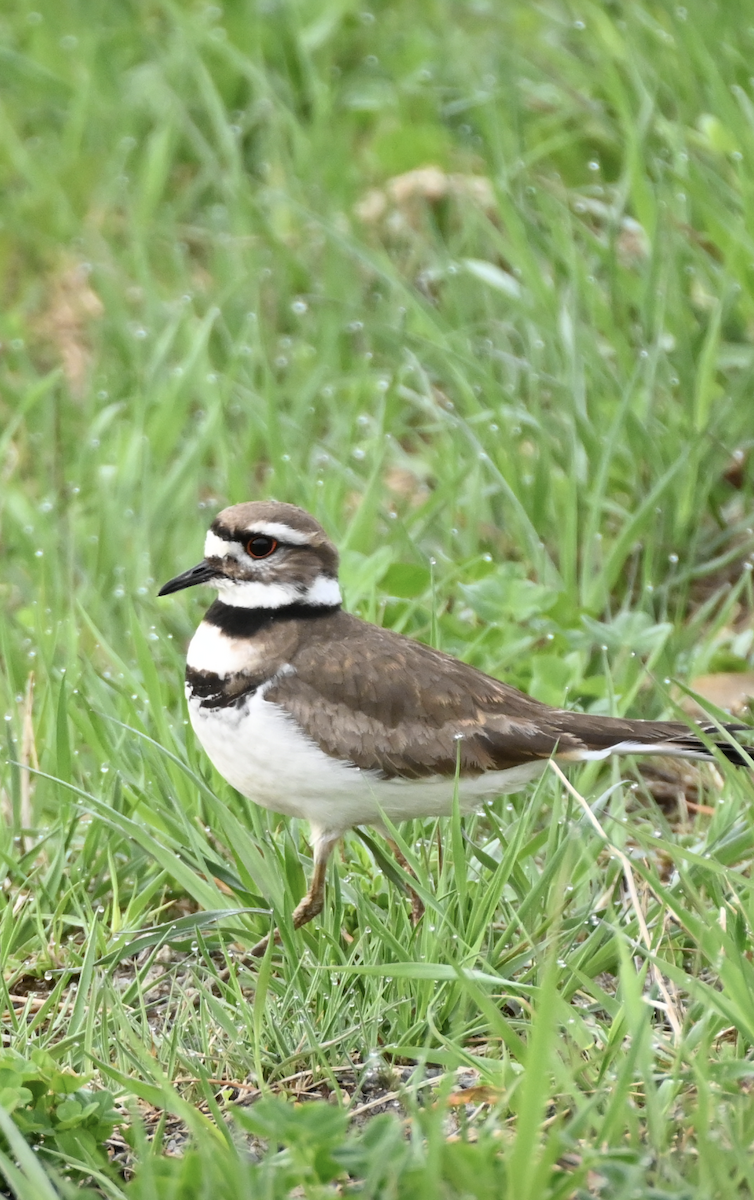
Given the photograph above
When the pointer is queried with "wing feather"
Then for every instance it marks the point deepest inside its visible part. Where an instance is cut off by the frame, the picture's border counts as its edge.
(387, 703)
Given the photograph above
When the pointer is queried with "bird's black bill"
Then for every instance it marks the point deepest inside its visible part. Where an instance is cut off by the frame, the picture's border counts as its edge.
(201, 573)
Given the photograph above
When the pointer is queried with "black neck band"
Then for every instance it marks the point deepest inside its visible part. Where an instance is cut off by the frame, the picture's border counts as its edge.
(245, 622)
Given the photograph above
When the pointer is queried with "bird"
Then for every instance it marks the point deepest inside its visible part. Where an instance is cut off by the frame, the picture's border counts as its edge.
(310, 711)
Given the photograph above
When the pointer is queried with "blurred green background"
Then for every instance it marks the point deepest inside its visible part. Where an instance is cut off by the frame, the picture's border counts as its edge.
(474, 283)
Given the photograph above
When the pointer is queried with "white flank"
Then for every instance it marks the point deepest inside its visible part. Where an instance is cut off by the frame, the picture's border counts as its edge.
(217, 547)
(279, 531)
(260, 749)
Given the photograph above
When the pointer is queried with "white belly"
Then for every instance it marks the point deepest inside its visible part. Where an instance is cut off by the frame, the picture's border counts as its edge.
(263, 753)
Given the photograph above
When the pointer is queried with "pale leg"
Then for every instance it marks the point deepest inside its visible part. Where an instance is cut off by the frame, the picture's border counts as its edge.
(313, 902)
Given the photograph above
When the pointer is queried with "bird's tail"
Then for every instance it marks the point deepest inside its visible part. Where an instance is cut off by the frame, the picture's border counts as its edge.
(602, 736)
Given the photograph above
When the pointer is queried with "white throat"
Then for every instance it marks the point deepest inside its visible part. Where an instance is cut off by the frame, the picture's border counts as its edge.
(324, 592)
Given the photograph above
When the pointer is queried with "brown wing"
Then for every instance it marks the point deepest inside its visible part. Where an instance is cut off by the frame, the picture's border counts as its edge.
(401, 708)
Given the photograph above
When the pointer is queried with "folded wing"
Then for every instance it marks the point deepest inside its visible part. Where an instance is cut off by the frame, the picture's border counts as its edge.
(389, 704)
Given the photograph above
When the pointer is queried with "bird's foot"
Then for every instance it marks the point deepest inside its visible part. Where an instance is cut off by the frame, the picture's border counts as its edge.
(311, 906)
(261, 946)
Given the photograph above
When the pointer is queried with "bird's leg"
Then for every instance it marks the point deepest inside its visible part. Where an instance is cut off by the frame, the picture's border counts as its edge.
(417, 906)
(313, 902)
(258, 950)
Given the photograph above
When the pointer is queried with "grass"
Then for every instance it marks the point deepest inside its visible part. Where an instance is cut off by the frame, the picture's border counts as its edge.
(512, 389)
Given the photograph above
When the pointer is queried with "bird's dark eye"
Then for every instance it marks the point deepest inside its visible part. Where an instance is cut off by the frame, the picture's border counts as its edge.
(260, 546)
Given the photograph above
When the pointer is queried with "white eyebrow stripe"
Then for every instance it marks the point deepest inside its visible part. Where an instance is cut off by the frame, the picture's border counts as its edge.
(217, 547)
(281, 532)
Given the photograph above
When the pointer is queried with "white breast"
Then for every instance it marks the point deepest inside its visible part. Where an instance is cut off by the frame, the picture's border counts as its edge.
(261, 750)
(212, 650)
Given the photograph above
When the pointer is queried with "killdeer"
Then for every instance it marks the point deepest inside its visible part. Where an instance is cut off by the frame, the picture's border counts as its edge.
(314, 713)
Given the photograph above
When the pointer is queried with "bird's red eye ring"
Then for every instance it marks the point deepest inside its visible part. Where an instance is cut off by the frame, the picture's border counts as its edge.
(260, 546)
